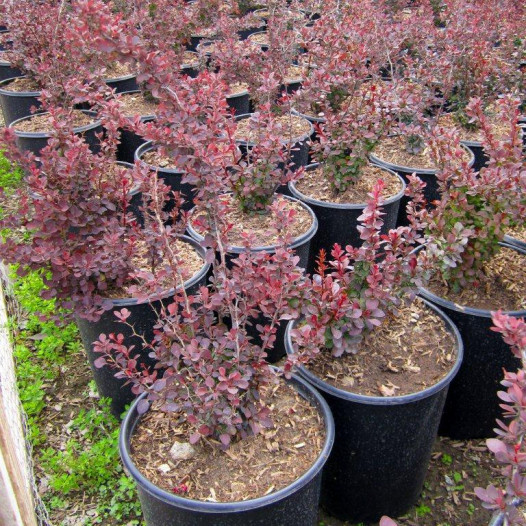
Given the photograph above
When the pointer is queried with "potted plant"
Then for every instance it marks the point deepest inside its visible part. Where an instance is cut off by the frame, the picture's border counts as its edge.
(215, 393)
(508, 448)
(362, 343)
(407, 149)
(36, 31)
(74, 223)
(473, 272)
(34, 131)
(476, 63)
(6, 70)
(337, 187)
(194, 127)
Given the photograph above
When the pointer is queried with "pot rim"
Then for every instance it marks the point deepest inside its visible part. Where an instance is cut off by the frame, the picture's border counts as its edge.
(311, 118)
(305, 390)
(293, 140)
(6, 64)
(239, 95)
(48, 134)
(345, 206)
(391, 400)
(236, 249)
(120, 79)
(510, 240)
(9, 93)
(123, 302)
(480, 144)
(483, 313)
(145, 148)
(419, 171)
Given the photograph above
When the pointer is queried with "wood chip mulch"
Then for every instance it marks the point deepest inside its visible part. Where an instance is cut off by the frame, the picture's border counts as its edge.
(251, 468)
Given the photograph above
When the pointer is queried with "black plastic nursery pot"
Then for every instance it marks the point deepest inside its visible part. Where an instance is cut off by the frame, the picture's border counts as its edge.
(129, 140)
(295, 505)
(431, 192)
(513, 241)
(7, 71)
(171, 177)
(35, 141)
(239, 102)
(472, 404)
(123, 84)
(338, 221)
(143, 317)
(301, 247)
(17, 104)
(382, 445)
(299, 153)
(481, 159)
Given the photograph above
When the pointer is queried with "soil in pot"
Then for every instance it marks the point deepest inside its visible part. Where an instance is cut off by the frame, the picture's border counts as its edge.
(406, 354)
(135, 103)
(472, 405)
(338, 213)
(297, 132)
(259, 225)
(290, 447)
(271, 478)
(21, 84)
(391, 152)
(143, 318)
(41, 122)
(260, 38)
(17, 97)
(294, 129)
(387, 401)
(502, 285)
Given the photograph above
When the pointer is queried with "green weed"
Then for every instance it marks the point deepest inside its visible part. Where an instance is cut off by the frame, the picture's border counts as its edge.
(446, 459)
(90, 460)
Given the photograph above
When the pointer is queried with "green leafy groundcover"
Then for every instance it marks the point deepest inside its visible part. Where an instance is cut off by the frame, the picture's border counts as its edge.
(87, 466)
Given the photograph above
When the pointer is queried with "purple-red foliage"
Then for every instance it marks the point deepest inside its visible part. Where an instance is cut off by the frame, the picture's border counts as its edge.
(212, 371)
(354, 290)
(509, 448)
